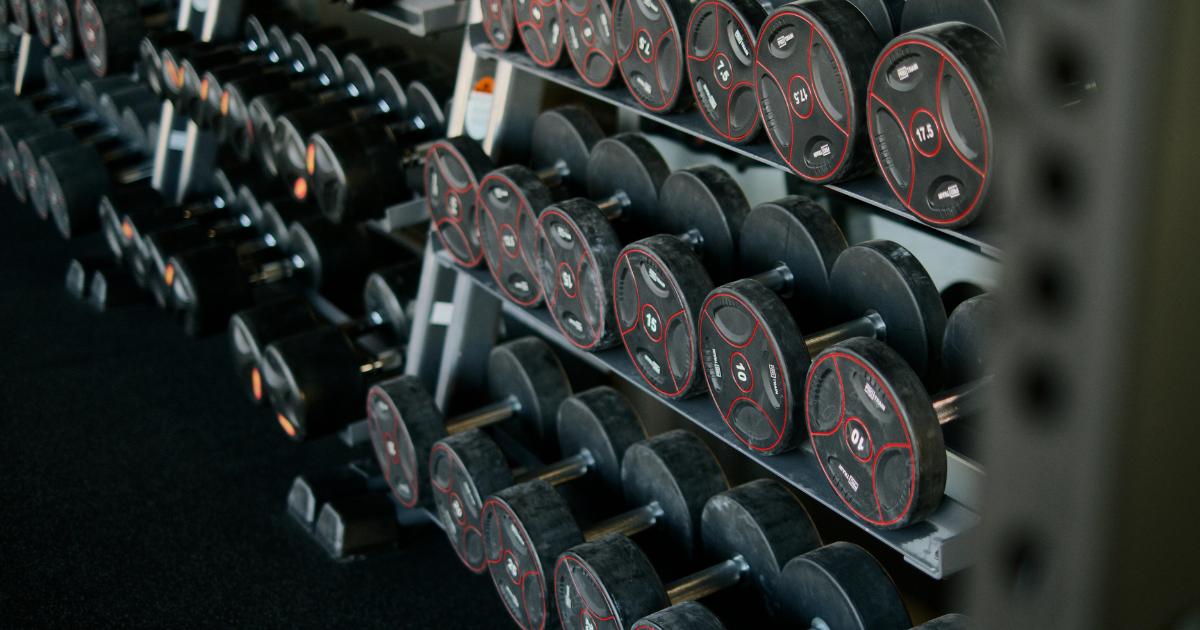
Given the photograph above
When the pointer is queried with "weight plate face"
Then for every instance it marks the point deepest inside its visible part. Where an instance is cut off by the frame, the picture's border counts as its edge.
(510, 200)
(932, 132)
(40, 10)
(606, 583)
(649, 48)
(564, 136)
(874, 433)
(843, 586)
(498, 22)
(459, 504)
(451, 184)
(516, 568)
(582, 604)
(589, 40)
(657, 289)
(753, 357)
(720, 60)
(20, 13)
(539, 22)
(807, 95)
(402, 462)
(576, 254)
(34, 190)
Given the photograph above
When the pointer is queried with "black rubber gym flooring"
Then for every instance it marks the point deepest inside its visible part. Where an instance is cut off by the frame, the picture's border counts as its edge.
(139, 489)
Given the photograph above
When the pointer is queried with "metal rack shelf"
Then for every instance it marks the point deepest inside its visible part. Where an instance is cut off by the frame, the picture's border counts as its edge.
(938, 546)
(871, 190)
(423, 17)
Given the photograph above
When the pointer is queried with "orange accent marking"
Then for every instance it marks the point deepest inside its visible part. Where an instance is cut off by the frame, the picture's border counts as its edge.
(310, 159)
(300, 189)
(256, 383)
(169, 275)
(486, 84)
(204, 89)
(127, 229)
(224, 103)
(287, 426)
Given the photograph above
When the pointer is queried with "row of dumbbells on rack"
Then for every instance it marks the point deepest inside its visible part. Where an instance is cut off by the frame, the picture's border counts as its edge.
(843, 88)
(662, 528)
(706, 293)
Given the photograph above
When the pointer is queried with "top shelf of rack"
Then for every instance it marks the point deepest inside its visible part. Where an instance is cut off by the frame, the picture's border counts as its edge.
(424, 17)
(871, 190)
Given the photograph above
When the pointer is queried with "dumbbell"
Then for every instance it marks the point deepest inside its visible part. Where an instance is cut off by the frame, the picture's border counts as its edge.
(74, 180)
(406, 100)
(62, 28)
(511, 198)
(749, 533)
(468, 467)
(212, 283)
(113, 287)
(659, 283)
(158, 245)
(110, 32)
(79, 273)
(527, 383)
(253, 104)
(589, 40)
(578, 243)
(650, 51)
(252, 329)
(21, 15)
(882, 449)
(666, 479)
(755, 354)
(929, 116)
(317, 380)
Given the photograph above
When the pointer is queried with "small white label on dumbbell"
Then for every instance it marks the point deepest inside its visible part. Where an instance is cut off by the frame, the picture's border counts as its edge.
(774, 378)
(822, 151)
(870, 392)
(510, 598)
(521, 285)
(563, 233)
(604, 25)
(456, 505)
(644, 85)
(650, 5)
(391, 448)
(554, 35)
(716, 364)
(951, 192)
(652, 364)
(782, 40)
(849, 478)
(903, 72)
(573, 37)
(441, 313)
(706, 95)
(509, 241)
(177, 140)
(587, 623)
(500, 193)
(741, 42)
(652, 273)
(512, 568)
(536, 13)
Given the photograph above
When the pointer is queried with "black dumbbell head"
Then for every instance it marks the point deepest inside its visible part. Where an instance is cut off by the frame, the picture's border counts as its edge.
(21, 15)
(679, 472)
(10, 134)
(207, 285)
(79, 274)
(499, 25)
(453, 169)
(115, 209)
(542, 31)
(150, 54)
(765, 524)
(629, 164)
(845, 587)
(252, 330)
(314, 381)
(30, 150)
(40, 14)
(649, 46)
(328, 56)
(304, 46)
(62, 27)
(969, 332)
(683, 616)
(660, 284)
(359, 68)
(753, 352)
(813, 63)
(589, 40)
(525, 527)
(929, 117)
(463, 470)
(110, 31)
(388, 295)
(512, 197)
(602, 422)
(606, 583)
(875, 433)
(75, 180)
(883, 277)
(348, 162)
(721, 38)
(139, 126)
(405, 422)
